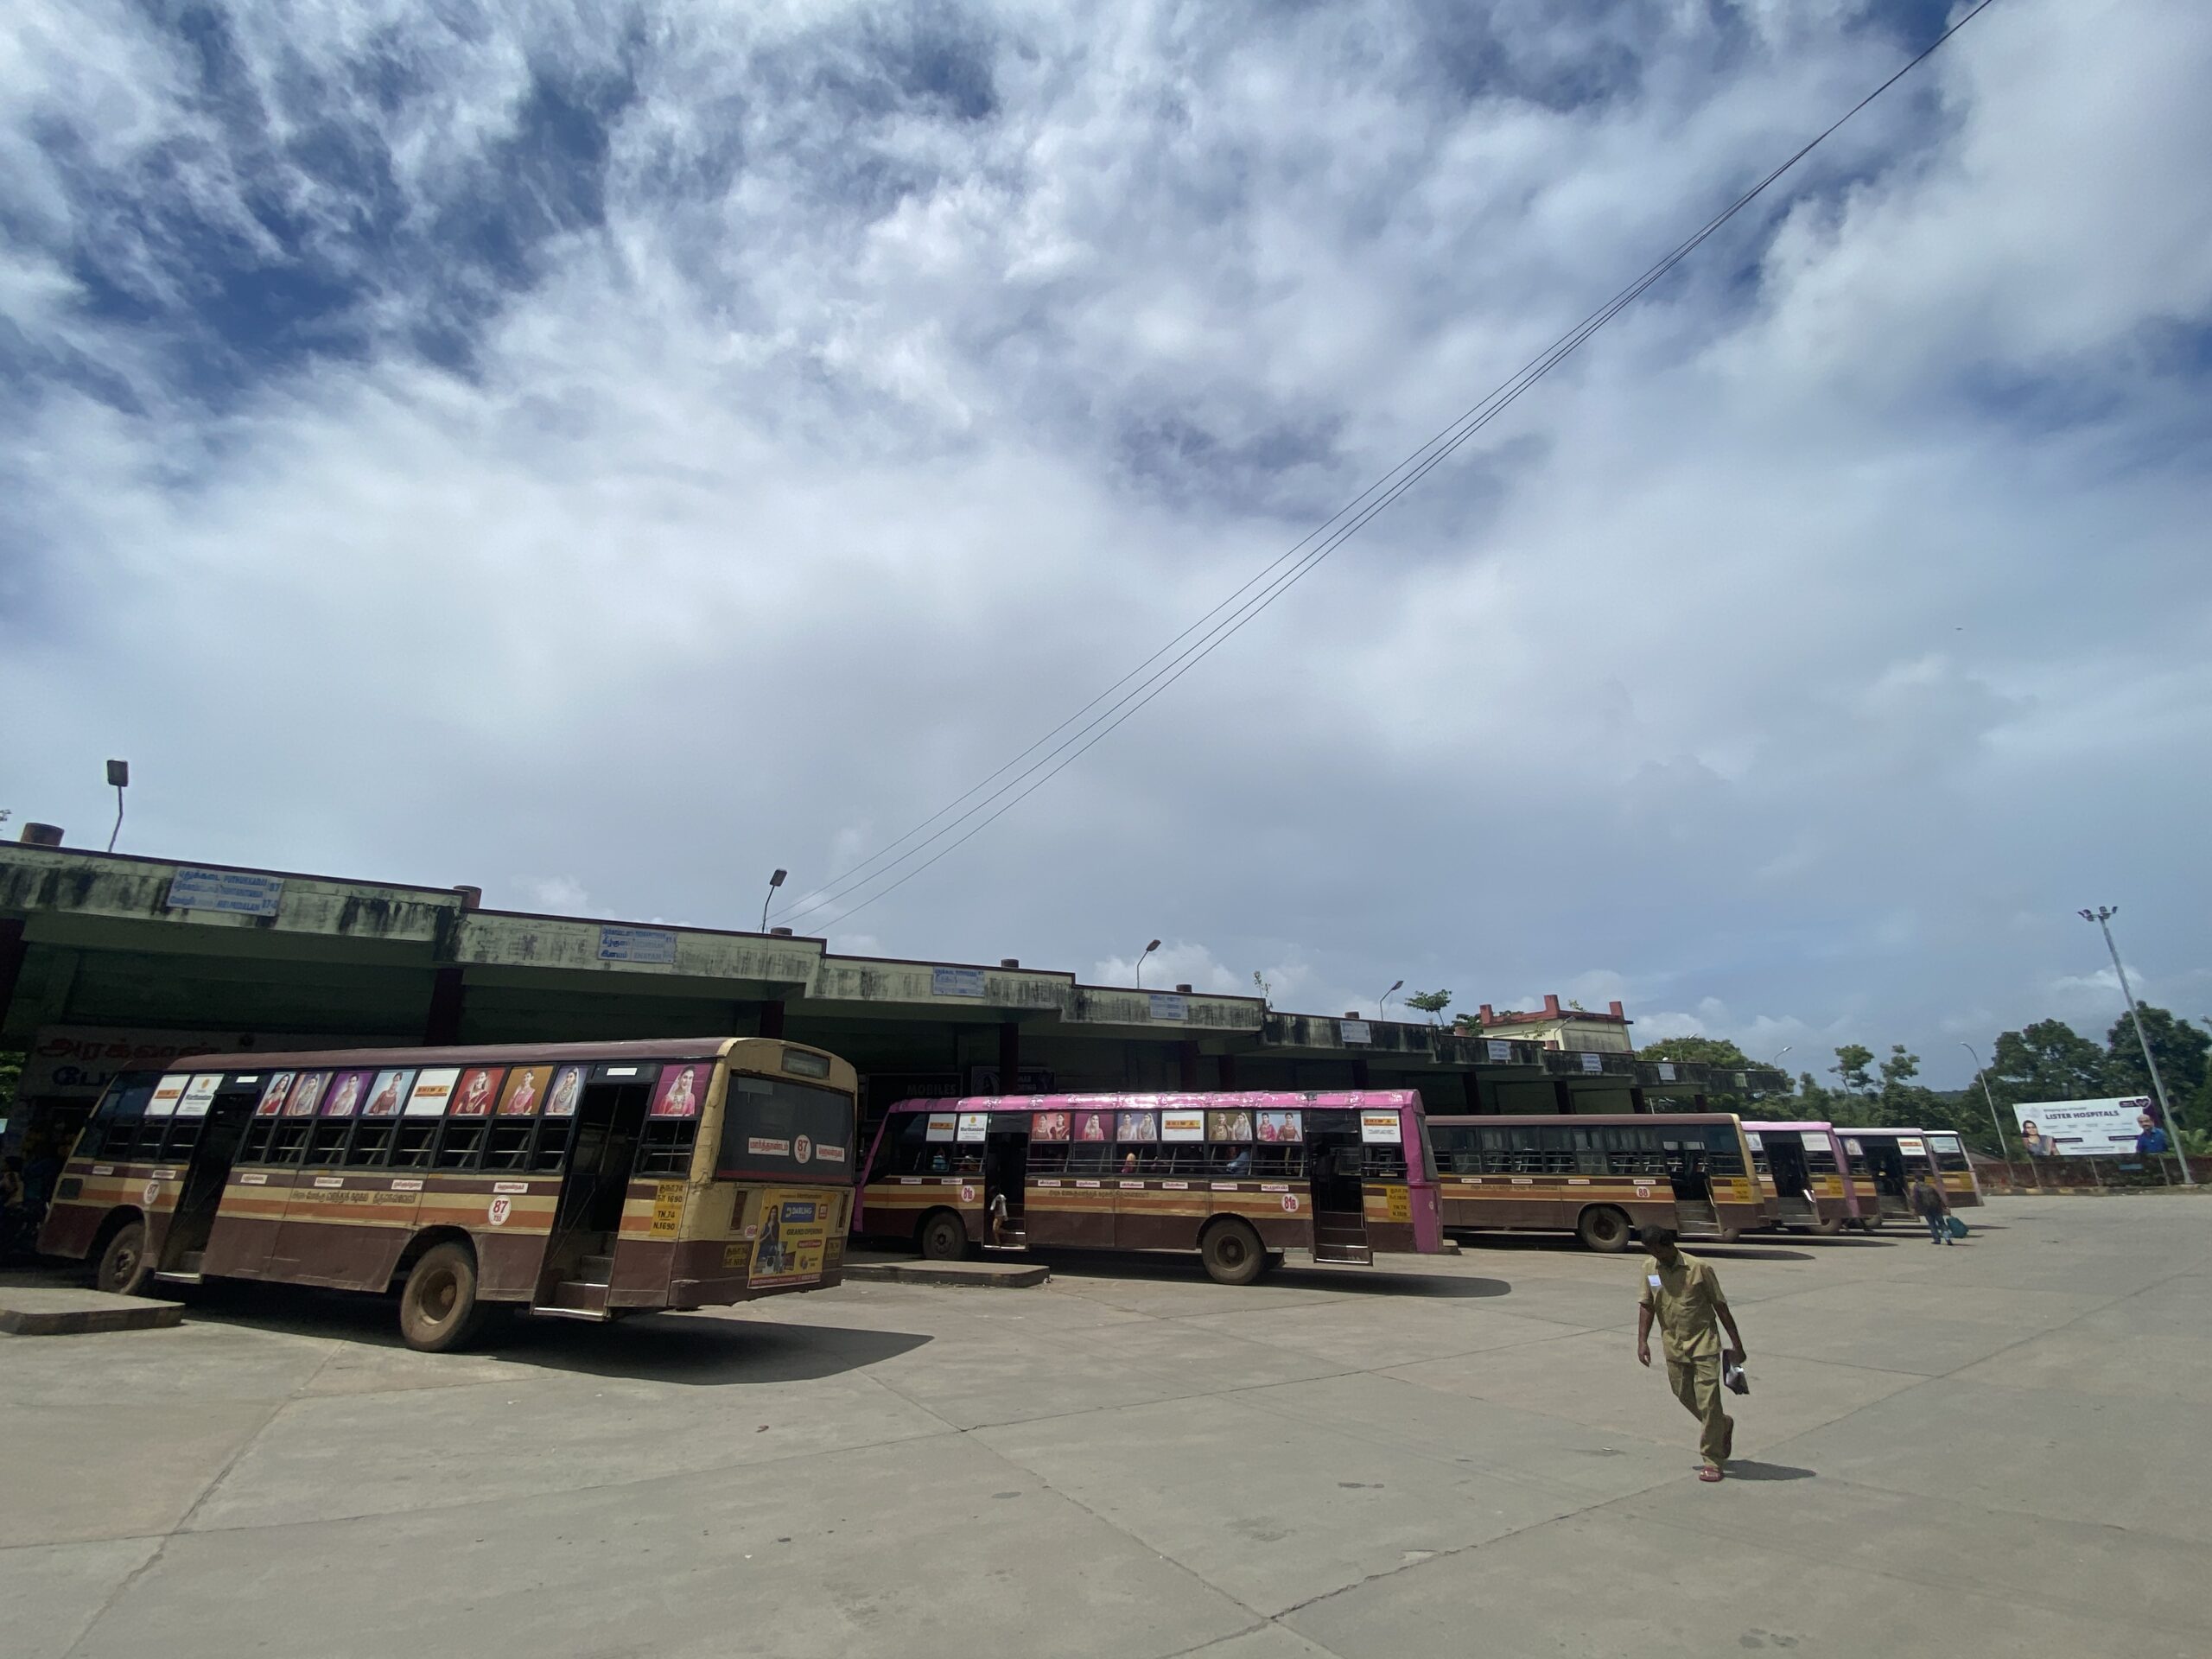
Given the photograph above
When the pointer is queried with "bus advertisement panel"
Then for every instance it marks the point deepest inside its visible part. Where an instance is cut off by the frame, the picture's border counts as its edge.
(2082, 1128)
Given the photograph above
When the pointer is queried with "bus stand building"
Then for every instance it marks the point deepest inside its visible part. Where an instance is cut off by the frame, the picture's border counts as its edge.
(111, 962)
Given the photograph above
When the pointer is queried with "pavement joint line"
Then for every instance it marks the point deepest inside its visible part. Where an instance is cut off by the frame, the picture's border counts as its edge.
(184, 1521)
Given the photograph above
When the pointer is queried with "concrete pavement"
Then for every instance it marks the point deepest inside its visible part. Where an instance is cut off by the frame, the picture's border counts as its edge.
(1990, 1449)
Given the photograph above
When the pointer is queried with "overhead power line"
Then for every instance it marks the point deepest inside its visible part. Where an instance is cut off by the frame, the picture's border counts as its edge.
(1139, 687)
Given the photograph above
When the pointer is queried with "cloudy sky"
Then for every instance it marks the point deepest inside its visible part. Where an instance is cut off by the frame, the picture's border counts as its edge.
(602, 453)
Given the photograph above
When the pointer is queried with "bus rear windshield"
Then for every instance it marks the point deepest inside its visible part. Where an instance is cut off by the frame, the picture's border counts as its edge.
(771, 1127)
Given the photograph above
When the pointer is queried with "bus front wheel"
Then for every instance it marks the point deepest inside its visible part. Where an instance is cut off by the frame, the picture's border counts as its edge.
(1603, 1228)
(438, 1309)
(1830, 1228)
(944, 1238)
(1232, 1253)
(123, 1268)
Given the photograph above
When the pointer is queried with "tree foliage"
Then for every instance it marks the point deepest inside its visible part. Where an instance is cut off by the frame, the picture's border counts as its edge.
(1432, 1003)
(1696, 1051)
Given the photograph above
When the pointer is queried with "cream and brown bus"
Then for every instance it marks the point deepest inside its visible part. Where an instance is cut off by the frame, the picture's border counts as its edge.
(1599, 1176)
(582, 1180)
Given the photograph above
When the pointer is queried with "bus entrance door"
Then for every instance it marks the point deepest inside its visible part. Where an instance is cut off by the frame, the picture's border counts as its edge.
(1792, 1180)
(1687, 1174)
(1005, 1169)
(578, 1264)
(1333, 1158)
(1888, 1170)
(184, 1246)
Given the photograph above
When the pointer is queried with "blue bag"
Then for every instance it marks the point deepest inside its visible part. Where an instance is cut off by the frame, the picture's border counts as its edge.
(1956, 1228)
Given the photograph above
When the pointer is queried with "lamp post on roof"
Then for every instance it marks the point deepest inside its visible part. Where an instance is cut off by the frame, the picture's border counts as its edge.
(774, 881)
(119, 777)
(2102, 915)
(1396, 987)
(1141, 955)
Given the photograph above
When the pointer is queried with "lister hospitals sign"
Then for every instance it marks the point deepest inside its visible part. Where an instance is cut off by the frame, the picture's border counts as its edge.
(2084, 1129)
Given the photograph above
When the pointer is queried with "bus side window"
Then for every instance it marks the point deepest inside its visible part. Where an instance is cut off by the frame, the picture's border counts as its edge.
(1047, 1157)
(460, 1142)
(509, 1145)
(1724, 1152)
(116, 1121)
(183, 1135)
(319, 1142)
(551, 1153)
(667, 1146)
(372, 1143)
(415, 1141)
(289, 1136)
(1589, 1152)
(1384, 1160)
(259, 1134)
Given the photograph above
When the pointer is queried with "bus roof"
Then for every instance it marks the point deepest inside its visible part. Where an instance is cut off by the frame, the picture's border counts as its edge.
(652, 1048)
(1646, 1120)
(1800, 1124)
(1264, 1100)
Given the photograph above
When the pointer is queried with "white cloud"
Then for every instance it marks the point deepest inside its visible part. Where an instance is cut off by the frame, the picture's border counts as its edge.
(898, 378)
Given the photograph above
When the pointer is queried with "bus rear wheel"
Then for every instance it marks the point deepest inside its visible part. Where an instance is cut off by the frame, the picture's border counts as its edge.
(1603, 1228)
(123, 1268)
(438, 1309)
(1830, 1228)
(943, 1237)
(1232, 1254)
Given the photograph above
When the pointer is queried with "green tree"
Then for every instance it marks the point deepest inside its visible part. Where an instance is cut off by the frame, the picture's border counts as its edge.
(2048, 1060)
(1852, 1060)
(2182, 1051)
(1432, 1003)
(1696, 1051)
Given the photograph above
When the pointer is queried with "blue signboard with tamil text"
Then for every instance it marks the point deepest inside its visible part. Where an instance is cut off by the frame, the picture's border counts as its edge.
(655, 945)
(956, 981)
(240, 893)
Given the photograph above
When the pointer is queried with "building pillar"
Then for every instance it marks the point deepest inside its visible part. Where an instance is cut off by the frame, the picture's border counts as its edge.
(1636, 1102)
(1010, 1056)
(1562, 1096)
(1225, 1068)
(1187, 1054)
(1697, 1103)
(12, 951)
(447, 997)
(1359, 1071)
(771, 1017)
(1471, 1088)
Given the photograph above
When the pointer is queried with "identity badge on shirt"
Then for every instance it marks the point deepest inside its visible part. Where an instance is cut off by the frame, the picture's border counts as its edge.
(1654, 1279)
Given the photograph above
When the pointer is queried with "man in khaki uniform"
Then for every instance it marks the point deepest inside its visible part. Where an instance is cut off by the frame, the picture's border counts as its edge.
(1684, 1295)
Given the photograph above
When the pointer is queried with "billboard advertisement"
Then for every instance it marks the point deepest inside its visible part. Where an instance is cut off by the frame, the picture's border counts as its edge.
(2082, 1128)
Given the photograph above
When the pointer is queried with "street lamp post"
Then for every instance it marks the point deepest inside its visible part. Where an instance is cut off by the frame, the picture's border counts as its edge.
(1995, 1122)
(774, 881)
(118, 776)
(1396, 987)
(1776, 1061)
(1141, 955)
(2102, 915)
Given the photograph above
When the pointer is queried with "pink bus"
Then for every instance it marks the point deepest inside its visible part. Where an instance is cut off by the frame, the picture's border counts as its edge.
(1239, 1178)
(1805, 1172)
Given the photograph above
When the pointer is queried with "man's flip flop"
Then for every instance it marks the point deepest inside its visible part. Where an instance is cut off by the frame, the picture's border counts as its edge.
(1708, 1473)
